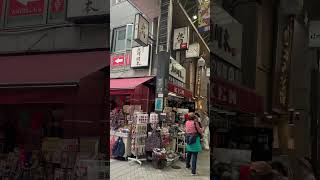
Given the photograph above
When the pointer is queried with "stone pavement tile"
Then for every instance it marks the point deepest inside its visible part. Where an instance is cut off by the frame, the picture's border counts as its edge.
(123, 170)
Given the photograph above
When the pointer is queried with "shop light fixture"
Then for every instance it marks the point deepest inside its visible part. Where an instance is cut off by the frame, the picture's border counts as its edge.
(174, 95)
(194, 17)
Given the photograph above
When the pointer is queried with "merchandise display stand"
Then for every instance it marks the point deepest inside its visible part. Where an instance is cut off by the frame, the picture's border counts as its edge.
(139, 135)
(181, 144)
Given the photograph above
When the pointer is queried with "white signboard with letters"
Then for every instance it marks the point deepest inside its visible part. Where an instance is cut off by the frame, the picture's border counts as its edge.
(140, 56)
(227, 33)
(177, 71)
(181, 38)
(141, 30)
(193, 51)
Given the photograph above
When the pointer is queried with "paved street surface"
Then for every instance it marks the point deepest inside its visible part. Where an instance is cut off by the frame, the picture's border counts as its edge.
(124, 170)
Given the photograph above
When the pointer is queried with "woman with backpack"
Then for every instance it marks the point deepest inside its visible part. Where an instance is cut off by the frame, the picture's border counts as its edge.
(193, 136)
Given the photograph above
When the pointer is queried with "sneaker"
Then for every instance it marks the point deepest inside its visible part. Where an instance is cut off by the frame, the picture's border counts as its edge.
(194, 174)
(188, 166)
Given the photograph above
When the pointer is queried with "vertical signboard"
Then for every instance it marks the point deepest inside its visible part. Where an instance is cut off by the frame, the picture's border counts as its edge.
(140, 57)
(25, 12)
(204, 16)
(181, 38)
(282, 66)
(57, 11)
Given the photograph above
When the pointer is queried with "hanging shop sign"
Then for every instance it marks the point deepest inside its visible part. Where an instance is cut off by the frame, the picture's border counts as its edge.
(227, 37)
(282, 68)
(141, 30)
(180, 91)
(181, 38)
(57, 11)
(120, 60)
(26, 12)
(200, 73)
(314, 34)
(235, 97)
(177, 71)
(140, 56)
(176, 82)
(87, 8)
(193, 51)
(204, 16)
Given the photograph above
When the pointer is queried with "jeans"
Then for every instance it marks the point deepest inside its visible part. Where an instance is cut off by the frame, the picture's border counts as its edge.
(194, 156)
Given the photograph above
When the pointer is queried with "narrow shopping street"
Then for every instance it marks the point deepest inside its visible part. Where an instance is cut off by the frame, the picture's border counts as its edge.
(124, 170)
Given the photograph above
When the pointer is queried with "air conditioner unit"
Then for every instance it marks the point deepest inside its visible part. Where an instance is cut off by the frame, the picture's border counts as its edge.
(88, 9)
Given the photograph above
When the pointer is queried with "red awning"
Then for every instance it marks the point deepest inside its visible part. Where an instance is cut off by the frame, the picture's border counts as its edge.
(50, 69)
(126, 86)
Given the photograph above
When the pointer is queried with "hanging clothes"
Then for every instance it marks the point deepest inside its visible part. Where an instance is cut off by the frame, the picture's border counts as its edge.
(153, 141)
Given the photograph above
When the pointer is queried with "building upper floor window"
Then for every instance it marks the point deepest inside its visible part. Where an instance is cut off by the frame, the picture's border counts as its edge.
(122, 38)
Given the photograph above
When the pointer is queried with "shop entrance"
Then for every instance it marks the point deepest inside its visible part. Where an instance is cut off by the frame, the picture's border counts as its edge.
(26, 125)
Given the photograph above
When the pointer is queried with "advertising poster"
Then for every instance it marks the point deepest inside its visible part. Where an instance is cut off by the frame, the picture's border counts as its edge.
(57, 11)
(204, 16)
(159, 104)
(26, 12)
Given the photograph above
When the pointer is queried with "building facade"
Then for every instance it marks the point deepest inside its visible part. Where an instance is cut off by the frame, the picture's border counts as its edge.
(59, 48)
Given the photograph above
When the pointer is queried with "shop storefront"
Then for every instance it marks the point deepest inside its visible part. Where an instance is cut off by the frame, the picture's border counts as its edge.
(132, 91)
(49, 107)
(234, 114)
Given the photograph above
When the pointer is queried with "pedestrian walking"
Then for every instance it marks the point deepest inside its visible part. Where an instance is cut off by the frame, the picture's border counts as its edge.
(193, 136)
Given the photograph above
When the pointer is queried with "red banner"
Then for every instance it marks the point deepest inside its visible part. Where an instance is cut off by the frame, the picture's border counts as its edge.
(26, 7)
(57, 6)
(180, 91)
(235, 97)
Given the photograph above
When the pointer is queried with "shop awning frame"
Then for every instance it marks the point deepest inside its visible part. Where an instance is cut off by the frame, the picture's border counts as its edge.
(122, 86)
(52, 70)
